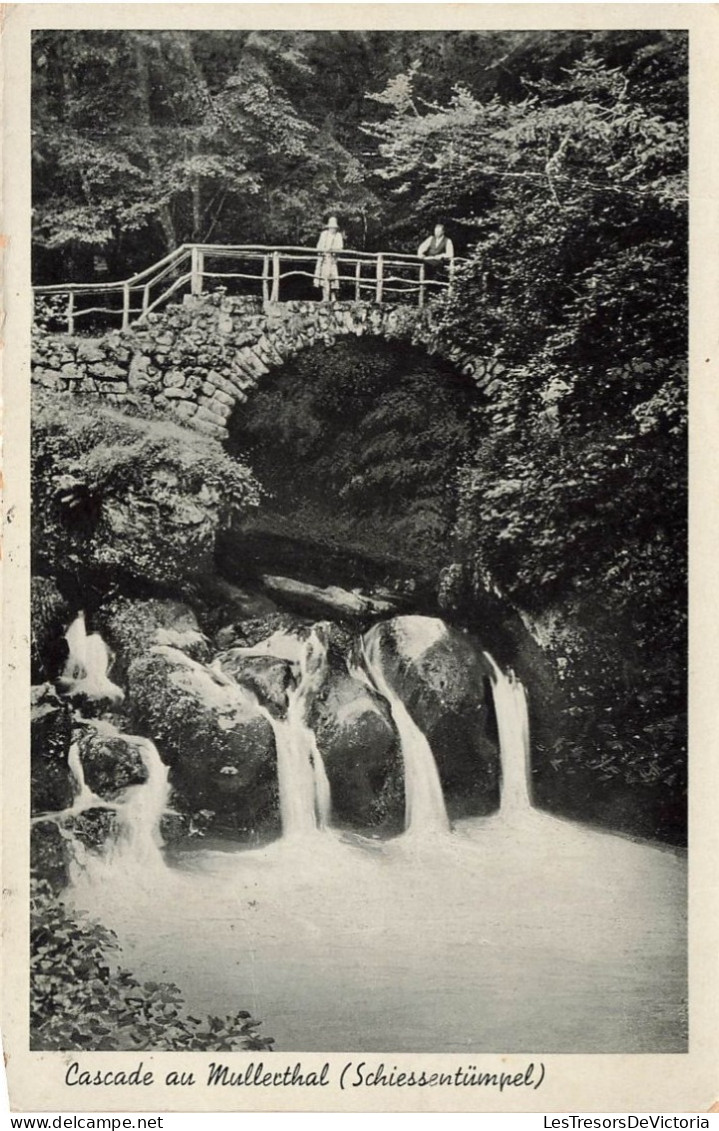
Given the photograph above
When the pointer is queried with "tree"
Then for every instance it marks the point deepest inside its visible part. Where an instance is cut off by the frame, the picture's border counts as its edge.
(169, 137)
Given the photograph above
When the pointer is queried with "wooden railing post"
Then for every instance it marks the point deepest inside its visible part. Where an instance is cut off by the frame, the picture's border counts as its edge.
(394, 271)
(266, 278)
(196, 269)
(125, 305)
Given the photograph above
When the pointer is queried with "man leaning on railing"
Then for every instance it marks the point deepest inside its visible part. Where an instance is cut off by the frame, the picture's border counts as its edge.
(438, 253)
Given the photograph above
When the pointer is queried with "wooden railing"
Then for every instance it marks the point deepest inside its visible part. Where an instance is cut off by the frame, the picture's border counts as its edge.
(372, 276)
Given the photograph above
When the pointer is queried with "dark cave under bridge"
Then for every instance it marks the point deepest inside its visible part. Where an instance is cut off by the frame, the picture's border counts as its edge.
(202, 356)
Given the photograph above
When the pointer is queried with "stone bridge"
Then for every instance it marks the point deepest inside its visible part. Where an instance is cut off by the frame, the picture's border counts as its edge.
(200, 358)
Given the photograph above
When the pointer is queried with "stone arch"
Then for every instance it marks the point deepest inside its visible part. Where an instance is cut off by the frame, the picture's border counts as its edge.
(202, 357)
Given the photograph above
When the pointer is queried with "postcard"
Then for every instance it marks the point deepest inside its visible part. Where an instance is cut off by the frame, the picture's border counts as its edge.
(358, 594)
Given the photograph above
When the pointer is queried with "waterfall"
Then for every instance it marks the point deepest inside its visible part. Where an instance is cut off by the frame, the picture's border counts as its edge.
(304, 789)
(510, 706)
(425, 812)
(138, 844)
(85, 672)
(134, 854)
(84, 797)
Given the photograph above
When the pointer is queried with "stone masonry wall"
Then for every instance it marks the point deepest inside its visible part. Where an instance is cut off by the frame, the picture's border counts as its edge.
(201, 357)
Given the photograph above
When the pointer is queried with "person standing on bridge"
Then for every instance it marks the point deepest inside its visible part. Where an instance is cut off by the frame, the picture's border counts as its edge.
(438, 252)
(326, 271)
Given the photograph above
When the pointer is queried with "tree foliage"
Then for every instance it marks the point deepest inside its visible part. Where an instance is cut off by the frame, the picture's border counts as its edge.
(177, 136)
(378, 432)
(145, 139)
(575, 493)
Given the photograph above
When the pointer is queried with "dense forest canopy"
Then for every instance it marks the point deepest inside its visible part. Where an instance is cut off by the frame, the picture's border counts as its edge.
(143, 140)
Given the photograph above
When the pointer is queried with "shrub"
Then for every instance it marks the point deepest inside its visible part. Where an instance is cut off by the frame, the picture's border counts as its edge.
(113, 491)
(82, 999)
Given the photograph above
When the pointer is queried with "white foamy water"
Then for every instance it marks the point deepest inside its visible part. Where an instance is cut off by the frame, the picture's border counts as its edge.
(304, 790)
(510, 707)
(425, 812)
(132, 860)
(84, 797)
(85, 671)
(550, 936)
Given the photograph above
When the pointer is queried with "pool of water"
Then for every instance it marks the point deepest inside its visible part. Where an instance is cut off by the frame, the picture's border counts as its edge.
(531, 934)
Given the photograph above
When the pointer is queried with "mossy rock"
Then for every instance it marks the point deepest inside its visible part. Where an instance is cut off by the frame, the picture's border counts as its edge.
(50, 854)
(51, 781)
(265, 677)
(49, 617)
(110, 761)
(210, 731)
(443, 681)
(119, 494)
(360, 750)
(132, 627)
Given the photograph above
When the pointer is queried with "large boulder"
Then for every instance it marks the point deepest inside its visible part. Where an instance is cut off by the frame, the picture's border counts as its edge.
(51, 782)
(445, 684)
(161, 528)
(50, 854)
(49, 617)
(111, 761)
(213, 735)
(266, 677)
(132, 627)
(360, 751)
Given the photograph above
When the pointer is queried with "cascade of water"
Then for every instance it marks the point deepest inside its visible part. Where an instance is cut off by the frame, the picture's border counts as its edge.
(313, 664)
(85, 671)
(84, 797)
(139, 840)
(134, 852)
(304, 789)
(425, 812)
(510, 705)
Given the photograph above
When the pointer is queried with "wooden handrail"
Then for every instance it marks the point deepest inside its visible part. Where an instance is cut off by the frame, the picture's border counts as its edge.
(379, 280)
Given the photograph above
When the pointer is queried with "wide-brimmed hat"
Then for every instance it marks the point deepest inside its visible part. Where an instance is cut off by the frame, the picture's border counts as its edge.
(332, 222)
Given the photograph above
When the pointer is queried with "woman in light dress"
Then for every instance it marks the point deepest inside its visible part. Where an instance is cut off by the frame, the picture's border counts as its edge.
(326, 272)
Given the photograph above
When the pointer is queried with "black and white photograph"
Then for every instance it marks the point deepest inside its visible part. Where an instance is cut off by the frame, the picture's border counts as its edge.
(358, 641)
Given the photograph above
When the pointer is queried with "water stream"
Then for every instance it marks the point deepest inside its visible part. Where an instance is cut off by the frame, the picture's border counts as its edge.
(505, 935)
(510, 707)
(305, 801)
(133, 857)
(87, 665)
(425, 812)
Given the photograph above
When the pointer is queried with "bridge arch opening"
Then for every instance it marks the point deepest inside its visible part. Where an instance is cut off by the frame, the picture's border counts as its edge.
(356, 446)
